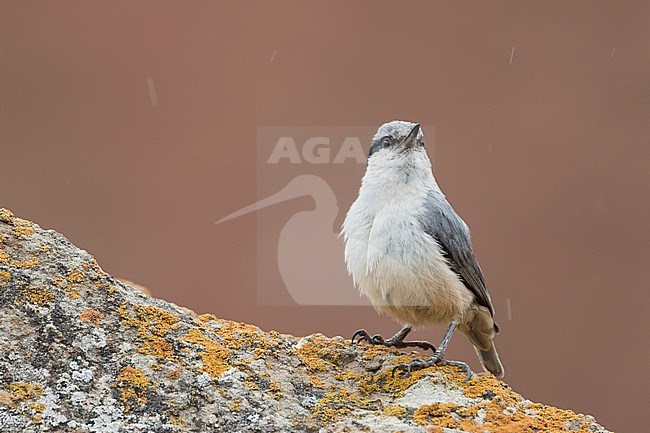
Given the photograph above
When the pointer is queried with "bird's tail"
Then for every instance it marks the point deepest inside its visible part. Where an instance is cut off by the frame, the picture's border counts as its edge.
(481, 331)
(490, 360)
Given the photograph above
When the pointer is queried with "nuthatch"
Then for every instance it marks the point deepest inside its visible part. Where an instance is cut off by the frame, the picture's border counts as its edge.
(410, 253)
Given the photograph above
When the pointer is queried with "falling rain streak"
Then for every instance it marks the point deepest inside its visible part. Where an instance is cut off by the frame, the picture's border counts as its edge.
(153, 97)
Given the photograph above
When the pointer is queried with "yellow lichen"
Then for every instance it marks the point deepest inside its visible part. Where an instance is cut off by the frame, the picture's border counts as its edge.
(177, 421)
(319, 353)
(251, 384)
(37, 295)
(6, 216)
(152, 324)
(275, 389)
(339, 403)
(133, 384)
(91, 316)
(75, 278)
(370, 352)
(346, 375)
(237, 336)
(27, 263)
(205, 319)
(387, 382)
(505, 411)
(214, 356)
(37, 409)
(316, 381)
(4, 257)
(397, 411)
(5, 277)
(24, 391)
(23, 228)
(234, 406)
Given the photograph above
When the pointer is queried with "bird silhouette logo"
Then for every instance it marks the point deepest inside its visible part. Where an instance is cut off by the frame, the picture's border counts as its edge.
(309, 252)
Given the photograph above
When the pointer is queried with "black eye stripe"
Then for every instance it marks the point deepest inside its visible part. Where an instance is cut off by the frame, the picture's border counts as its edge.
(383, 142)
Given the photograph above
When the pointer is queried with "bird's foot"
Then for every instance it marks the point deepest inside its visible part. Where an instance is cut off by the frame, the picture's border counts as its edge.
(419, 364)
(396, 340)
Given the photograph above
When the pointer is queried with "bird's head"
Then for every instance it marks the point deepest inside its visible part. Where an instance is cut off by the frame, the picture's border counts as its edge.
(396, 137)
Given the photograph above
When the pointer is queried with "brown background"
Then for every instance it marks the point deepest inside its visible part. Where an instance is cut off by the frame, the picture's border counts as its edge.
(546, 158)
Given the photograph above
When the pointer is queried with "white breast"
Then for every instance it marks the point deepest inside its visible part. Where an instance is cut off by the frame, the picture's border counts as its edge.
(391, 258)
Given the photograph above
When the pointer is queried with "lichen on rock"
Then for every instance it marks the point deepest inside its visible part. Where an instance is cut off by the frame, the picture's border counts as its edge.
(81, 351)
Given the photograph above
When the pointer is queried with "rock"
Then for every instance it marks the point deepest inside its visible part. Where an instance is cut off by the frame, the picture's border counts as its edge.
(81, 351)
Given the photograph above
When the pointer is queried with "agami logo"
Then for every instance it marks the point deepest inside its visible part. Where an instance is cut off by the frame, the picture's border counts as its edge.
(300, 259)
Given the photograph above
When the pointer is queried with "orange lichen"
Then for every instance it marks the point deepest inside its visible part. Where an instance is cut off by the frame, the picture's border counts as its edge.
(514, 419)
(480, 385)
(152, 324)
(133, 385)
(214, 356)
(439, 414)
(173, 374)
(91, 316)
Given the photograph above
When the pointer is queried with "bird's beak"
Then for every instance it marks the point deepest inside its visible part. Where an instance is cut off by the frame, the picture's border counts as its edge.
(411, 140)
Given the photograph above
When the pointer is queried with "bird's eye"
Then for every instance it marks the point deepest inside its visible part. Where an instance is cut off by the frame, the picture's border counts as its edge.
(386, 142)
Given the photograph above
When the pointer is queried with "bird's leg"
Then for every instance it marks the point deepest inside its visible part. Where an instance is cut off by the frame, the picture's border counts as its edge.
(437, 358)
(396, 340)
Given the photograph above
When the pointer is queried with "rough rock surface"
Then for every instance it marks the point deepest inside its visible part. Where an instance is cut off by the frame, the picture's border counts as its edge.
(81, 351)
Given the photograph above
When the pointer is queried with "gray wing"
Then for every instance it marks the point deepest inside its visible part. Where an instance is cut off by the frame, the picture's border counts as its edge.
(452, 234)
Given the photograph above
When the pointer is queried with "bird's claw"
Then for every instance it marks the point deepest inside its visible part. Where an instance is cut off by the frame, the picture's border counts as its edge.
(416, 364)
(364, 336)
(463, 366)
